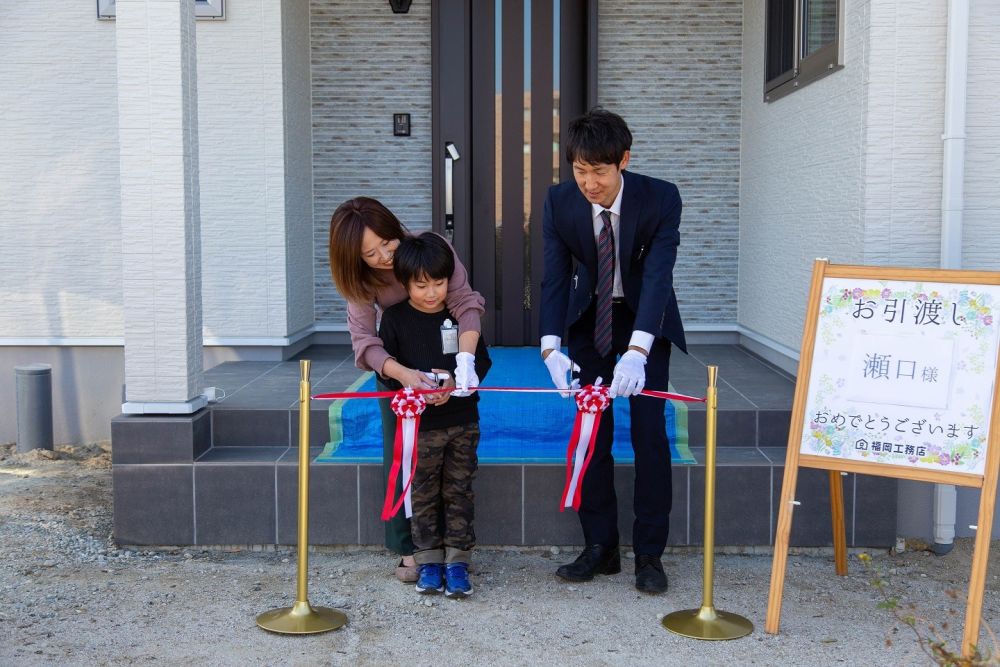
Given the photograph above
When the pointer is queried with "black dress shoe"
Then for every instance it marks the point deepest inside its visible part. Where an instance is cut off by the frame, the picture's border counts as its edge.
(595, 559)
(649, 574)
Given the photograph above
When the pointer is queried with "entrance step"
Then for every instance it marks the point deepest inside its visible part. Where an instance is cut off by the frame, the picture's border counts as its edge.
(236, 483)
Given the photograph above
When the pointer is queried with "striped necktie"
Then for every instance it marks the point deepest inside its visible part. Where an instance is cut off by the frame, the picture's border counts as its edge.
(605, 284)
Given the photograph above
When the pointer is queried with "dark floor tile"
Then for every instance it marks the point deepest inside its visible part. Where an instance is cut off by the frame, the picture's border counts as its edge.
(222, 455)
(742, 505)
(543, 522)
(685, 364)
(319, 425)
(236, 373)
(371, 495)
(498, 504)
(291, 455)
(260, 399)
(333, 504)
(242, 428)
(776, 455)
(154, 504)
(145, 439)
(730, 399)
(339, 379)
(326, 353)
(690, 385)
(733, 428)
(772, 427)
(812, 523)
(680, 513)
(875, 508)
(733, 456)
(765, 392)
(733, 359)
(290, 370)
(234, 504)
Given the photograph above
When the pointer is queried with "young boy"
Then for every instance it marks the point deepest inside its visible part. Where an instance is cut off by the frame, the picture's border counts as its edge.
(421, 334)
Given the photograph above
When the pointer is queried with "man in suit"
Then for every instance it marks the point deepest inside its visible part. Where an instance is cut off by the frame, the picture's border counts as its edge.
(610, 242)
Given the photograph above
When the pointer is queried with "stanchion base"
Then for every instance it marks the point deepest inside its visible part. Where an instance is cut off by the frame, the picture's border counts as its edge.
(707, 623)
(302, 619)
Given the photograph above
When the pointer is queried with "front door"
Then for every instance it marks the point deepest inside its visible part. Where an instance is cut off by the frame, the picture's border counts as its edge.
(508, 77)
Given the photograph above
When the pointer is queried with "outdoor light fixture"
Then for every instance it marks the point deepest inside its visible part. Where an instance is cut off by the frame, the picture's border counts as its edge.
(399, 6)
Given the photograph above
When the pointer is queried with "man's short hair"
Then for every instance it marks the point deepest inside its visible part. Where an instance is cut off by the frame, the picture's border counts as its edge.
(597, 137)
(427, 255)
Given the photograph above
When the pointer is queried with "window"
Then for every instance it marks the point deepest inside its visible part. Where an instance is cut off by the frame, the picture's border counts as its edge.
(803, 42)
(203, 9)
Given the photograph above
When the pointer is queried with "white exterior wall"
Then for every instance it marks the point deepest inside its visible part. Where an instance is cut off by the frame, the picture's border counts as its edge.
(60, 236)
(60, 200)
(850, 168)
(250, 205)
(921, 32)
(161, 228)
(981, 238)
(904, 119)
(298, 241)
(800, 180)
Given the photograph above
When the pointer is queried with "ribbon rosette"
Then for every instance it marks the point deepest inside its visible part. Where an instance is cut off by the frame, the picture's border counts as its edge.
(408, 406)
(591, 402)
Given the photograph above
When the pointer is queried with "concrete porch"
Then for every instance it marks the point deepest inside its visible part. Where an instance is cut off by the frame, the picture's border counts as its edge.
(227, 474)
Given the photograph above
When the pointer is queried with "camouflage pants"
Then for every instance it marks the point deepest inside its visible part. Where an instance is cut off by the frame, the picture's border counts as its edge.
(442, 496)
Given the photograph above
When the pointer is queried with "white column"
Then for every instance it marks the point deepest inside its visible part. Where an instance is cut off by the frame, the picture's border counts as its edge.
(161, 230)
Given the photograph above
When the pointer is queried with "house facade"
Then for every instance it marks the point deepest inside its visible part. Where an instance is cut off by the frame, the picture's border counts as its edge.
(164, 209)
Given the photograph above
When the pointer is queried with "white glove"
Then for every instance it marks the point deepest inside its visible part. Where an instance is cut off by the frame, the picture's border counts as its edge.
(630, 374)
(465, 374)
(559, 366)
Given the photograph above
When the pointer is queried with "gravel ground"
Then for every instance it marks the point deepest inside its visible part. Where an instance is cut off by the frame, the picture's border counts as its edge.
(69, 596)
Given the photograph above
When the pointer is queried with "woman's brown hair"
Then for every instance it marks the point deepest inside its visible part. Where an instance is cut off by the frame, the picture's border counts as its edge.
(356, 280)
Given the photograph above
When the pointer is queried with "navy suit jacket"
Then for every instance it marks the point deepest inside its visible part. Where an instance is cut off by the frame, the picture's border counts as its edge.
(648, 239)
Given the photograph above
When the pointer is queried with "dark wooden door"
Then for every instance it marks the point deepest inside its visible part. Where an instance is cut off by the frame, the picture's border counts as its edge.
(508, 76)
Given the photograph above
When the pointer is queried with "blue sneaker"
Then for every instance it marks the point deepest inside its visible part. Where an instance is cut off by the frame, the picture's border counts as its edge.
(457, 584)
(429, 579)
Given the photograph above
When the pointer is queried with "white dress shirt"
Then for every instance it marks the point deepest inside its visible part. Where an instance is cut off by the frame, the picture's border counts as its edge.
(639, 338)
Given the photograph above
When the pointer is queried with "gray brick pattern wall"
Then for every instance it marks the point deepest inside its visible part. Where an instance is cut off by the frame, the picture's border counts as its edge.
(673, 70)
(368, 63)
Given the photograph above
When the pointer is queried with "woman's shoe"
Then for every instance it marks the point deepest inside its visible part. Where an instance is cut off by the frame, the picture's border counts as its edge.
(407, 573)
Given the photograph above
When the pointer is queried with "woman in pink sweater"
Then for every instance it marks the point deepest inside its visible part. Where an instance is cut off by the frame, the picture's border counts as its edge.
(364, 235)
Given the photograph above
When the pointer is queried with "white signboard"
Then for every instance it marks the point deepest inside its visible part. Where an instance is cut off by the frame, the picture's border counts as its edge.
(903, 373)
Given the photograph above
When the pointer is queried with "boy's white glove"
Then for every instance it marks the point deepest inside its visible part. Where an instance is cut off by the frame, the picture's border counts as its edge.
(560, 366)
(630, 375)
(465, 374)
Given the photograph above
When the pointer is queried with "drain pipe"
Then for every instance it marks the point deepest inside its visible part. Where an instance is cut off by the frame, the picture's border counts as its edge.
(952, 205)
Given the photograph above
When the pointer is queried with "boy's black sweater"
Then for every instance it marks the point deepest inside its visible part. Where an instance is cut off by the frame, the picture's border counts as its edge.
(414, 339)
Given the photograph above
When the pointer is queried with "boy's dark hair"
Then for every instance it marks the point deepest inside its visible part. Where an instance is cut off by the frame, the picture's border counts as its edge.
(597, 137)
(427, 255)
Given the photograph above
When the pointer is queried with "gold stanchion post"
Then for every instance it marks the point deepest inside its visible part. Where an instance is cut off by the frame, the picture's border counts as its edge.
(302, 618)
(707, 622)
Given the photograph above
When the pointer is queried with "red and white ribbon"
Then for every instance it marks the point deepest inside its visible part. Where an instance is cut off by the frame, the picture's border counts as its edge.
(591, 402)
(408, 405)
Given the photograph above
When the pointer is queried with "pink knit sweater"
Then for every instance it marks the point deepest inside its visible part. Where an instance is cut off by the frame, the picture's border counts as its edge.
(466, 304)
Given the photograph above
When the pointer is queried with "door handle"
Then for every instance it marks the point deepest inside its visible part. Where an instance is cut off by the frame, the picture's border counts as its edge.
(450, 155)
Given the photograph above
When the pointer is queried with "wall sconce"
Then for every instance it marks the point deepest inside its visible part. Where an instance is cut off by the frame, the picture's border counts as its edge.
(399, 6)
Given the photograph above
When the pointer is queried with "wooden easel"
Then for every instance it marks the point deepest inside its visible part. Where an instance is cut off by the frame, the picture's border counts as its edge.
(987, 482)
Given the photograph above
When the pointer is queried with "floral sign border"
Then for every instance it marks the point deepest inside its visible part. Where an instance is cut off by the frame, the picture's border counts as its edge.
(952, 439)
